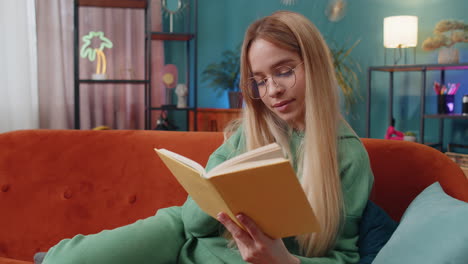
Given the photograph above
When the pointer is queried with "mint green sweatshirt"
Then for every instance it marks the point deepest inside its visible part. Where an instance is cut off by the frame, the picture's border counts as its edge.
(186, 234)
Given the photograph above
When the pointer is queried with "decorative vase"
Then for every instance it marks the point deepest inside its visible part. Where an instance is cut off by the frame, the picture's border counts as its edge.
(448, 55)
(235, 100)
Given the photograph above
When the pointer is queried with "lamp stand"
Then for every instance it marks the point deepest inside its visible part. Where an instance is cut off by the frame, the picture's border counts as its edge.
(396, 59)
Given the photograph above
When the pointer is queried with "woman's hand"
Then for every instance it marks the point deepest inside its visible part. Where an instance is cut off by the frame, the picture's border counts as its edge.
(254, 245)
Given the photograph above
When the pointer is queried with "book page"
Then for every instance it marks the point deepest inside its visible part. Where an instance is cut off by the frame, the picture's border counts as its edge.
(192, 164)
(269, 151)
(251, 164)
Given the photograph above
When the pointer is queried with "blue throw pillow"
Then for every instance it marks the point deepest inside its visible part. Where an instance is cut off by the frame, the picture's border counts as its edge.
(433, 230)
(375, 230)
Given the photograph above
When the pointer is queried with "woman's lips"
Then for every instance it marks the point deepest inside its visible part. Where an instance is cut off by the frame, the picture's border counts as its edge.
(283, 105)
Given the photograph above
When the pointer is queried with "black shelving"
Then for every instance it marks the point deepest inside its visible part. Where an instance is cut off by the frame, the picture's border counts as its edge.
(423, 68)
(114, 3)
(172, 36)
(133, 4)
(447, 116)
(190, 41)
(115, 81)
(188, 38)
(173, 108)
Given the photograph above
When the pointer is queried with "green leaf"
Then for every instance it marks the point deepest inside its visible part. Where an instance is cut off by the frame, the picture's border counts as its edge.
(345, 71)
(223, 75)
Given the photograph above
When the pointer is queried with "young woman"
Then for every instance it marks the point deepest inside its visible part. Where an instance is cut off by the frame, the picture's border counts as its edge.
(291, 98)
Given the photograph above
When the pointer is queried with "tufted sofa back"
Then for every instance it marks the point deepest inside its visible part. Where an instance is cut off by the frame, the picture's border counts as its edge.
(55, 184)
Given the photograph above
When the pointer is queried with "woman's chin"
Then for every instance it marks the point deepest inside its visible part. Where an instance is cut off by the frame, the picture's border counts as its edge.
(292, 121)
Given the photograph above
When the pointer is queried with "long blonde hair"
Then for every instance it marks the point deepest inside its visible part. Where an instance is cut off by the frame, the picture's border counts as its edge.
(317, 158)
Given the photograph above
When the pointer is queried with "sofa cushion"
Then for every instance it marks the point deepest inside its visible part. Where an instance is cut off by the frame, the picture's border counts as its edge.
(433, 230)
(375, 230)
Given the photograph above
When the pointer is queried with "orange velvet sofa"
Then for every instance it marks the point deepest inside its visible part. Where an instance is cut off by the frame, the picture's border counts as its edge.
(55, 184)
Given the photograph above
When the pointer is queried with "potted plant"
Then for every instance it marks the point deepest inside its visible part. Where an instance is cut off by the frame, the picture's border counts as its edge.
(446, 34)
(224, 76)
(409, 136)
(346, 69)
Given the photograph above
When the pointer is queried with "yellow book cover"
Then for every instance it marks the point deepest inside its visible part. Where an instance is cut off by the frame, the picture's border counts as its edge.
(260, 184)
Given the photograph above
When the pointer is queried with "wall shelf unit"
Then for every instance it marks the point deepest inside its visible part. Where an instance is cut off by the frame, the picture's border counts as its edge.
(171, 36)
(145, 83)
(423, 69)
(189, 40)
(191, 58)
(113, 81)
(114, 3)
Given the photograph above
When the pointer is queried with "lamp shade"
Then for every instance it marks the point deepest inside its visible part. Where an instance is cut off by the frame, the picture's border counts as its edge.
(400, 31)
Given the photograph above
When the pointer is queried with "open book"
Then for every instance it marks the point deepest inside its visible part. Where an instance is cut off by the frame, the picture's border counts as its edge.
(260, 183)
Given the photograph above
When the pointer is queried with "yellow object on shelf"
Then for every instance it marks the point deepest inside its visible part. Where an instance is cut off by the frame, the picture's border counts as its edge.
(102, 128)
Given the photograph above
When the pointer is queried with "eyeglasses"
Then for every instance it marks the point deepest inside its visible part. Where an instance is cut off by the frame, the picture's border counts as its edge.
(282, 76)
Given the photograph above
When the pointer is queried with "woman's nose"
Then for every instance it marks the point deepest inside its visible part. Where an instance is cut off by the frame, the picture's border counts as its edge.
(274, 88)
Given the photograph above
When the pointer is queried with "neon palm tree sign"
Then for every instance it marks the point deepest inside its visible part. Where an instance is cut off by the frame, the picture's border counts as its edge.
(89, 52)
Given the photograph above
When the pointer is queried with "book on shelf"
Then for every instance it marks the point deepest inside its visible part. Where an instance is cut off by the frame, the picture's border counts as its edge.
(260, 183)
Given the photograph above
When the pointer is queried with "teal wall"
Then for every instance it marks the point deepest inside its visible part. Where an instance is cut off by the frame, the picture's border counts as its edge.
(221, 25)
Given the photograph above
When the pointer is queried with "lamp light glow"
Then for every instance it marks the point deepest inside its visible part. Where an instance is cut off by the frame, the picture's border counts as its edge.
(400, 31)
